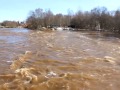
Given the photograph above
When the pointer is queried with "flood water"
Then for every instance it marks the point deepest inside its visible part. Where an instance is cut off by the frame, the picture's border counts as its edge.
(58, 60)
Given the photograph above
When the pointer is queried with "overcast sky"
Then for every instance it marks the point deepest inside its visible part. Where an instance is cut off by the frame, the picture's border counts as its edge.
(18, 9)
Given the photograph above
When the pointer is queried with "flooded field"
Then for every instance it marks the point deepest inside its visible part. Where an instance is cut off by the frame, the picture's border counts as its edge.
(58, 60)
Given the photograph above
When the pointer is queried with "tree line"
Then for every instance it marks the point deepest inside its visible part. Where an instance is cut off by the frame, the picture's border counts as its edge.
(11, 24)
(108, 20)
(98, 18)
(40, 18)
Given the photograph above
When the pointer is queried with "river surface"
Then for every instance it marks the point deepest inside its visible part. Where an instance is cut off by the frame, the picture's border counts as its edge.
(58, 60)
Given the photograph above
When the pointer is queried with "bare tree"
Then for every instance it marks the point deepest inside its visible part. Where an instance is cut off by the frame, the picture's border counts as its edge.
(48, 19)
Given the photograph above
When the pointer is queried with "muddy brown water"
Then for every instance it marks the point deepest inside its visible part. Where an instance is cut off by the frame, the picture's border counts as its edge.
(58, 60)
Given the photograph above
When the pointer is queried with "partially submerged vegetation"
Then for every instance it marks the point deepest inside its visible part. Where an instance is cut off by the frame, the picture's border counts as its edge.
(97, 19)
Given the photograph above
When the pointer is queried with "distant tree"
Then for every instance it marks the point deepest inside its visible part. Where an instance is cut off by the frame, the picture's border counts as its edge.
(79, 20)
(117, 20)
(58, 19)
(10, 24)
(39, 18)
(31, 22)
(48, 19)
(95, 17)
(69, 16)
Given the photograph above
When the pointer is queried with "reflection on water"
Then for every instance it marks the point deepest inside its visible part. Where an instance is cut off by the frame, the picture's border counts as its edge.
(105, 36)
(20, 30)
(53, 60)
(12, 39)
(23, 30)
